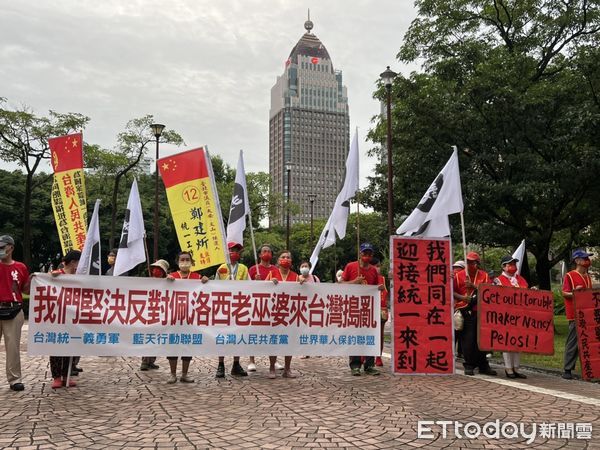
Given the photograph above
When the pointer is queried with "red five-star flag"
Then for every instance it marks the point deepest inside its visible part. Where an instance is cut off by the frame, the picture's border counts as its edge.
(194, 204)
(68, 190)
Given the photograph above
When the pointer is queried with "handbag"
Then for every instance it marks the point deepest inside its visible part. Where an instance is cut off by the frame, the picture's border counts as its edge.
(458, 320)
(10, 312)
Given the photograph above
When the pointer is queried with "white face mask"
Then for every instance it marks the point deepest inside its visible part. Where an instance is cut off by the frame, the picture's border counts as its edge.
(185, 265)
(3, 253)
(304, 271)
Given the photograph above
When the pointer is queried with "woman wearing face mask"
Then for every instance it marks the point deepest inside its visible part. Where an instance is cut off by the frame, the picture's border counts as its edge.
(510, 277)
(184, 263)
(159, 269)
(305, 274)
(383, 295)
(283, 273)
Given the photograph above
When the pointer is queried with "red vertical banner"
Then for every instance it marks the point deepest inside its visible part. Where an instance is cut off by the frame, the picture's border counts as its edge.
(587, 319)
(422, 306)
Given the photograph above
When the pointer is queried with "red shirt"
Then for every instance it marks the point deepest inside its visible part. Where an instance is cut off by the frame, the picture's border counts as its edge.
(276, 274)
(191, 276)
(13, 278)
(352, 270)
(571, 281)
(384, 293)
(503, 280)
(460, 286)
(262, 270)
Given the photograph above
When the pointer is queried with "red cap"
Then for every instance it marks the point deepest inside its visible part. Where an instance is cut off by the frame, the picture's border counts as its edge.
(230, 245)
(473, 256)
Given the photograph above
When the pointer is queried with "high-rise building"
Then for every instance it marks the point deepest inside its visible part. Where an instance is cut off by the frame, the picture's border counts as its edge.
(308, 130)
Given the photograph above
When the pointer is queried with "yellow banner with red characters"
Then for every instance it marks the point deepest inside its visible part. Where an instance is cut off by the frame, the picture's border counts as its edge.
(68, 190)
(194, 203)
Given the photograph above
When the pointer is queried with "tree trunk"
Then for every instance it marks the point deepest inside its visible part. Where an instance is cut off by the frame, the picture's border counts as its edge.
(113, 212)
(542, 269)
(27, 220)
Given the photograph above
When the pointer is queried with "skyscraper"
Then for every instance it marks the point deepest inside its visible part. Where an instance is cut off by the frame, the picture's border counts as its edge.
(309, 128)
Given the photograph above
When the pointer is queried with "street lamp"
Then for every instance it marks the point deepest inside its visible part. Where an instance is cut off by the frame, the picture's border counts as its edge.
(388, 78)
(312, 198)
(288, 169)
(157, 130)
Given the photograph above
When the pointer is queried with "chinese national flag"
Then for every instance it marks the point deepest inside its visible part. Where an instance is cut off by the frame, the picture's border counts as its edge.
(194, 204)
(67, 152)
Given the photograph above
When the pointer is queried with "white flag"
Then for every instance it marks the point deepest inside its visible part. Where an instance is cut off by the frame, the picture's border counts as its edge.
(444, 197)
(89, 264)
(240, 206)
(338, 219)
(520, 255)
(131, 246)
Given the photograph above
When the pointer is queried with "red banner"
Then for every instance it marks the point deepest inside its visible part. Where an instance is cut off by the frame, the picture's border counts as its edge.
(422, 306)
(512, 319)
(587, 319)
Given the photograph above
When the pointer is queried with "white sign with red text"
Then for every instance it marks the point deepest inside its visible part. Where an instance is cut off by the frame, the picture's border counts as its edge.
(129, 316)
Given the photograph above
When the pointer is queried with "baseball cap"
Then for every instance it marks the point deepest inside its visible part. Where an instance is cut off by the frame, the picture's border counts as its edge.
(7, 240)
(507, 259)
(473, 256)
(459, 263)
(365, 246)
(164, 265)
(230, 245)
(579, 253)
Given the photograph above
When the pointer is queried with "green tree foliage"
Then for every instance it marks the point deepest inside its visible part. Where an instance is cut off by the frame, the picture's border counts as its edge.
(24, 141)
(515, 86)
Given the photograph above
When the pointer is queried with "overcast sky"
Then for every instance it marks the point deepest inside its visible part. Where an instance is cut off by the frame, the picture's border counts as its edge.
(203, 68)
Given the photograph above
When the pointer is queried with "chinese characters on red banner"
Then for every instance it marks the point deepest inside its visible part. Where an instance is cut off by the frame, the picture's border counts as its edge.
(514, 319)
(422, 306)
(587, 319)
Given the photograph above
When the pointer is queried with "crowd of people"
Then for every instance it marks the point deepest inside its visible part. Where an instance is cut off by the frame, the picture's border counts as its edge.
(15, 281)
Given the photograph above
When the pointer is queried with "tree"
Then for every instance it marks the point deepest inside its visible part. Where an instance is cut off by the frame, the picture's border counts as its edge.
(132, 145)
(515, 86)
(24, 141)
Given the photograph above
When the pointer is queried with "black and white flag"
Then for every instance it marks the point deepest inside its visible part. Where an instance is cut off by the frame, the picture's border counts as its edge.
(240, 207)
(444, 197)
(131, 246)
(89, 264)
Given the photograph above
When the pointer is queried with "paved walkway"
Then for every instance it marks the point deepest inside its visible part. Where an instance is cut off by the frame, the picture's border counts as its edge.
(117, 406)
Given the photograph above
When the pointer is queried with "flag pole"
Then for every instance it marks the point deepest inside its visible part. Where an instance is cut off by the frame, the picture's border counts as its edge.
(147, 255)
(357, 207)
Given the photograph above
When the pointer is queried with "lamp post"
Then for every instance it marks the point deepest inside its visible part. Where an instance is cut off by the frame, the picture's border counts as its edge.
(312, 198)
(388, 78)
(157, 130)
(288, 169)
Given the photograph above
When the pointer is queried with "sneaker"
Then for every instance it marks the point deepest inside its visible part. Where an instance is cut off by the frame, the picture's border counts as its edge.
(251, 367)
(278, 366)
(56, 383)
(378, 361)
(305, 357)
(144, 367)
(77, 369)
(489, 371)
(153, 366)
(272, 375)
(371, 371)
(356, 372)
(289, 374)
(186, 379)
(17, 387)
(238, 370)
(71, 382)
(172, 379)
(469, 372)
(567, 375)
(220, 371)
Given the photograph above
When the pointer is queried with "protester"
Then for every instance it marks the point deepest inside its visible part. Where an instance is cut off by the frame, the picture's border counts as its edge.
(338, 275)
(575, 280)
(14, 281)
(158, 269)
(384, 305)
(111, 258)
(283, 273)
(510, 277)
(305, 275)
(466, 283)
(59, 365)
(362, 272)
(259, 272)
(184, 263)
(458, 266)
(238, 272)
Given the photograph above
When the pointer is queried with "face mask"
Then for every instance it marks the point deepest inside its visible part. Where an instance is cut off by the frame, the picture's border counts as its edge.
(234, 257)
(586, 263)
(185, 266)
(285, 263)
(366, 259)
(511, 269)
(266, 257)
(157, 273)
(3, 253)
(304, 271)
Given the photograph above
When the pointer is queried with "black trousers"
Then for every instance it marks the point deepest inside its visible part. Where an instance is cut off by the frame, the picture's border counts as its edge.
(468, 339)
(355, 362)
